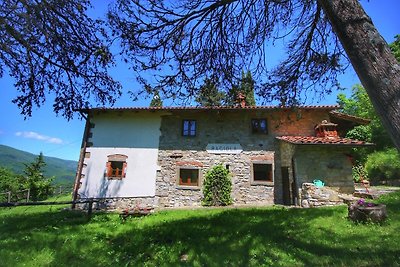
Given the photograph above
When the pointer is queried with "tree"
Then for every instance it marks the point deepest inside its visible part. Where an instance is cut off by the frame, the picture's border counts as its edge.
(359, 104)
(9, 182)
(156, 100)
(187, 40)
(395, 47)
(40, 186)
(53, 49)
(245, 87)
(209, 95)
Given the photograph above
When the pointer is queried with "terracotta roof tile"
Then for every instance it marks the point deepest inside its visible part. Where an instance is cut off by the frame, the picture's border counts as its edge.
(326, 107)
(312, 140)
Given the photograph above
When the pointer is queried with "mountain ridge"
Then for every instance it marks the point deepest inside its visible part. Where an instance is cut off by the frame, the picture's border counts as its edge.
(14, 160)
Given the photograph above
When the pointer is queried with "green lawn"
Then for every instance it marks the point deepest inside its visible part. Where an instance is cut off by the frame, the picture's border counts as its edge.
(274, 236)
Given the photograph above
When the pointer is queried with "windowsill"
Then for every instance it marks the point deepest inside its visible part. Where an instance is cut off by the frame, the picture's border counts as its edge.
(114, 178)
(262, 183)
(188, 187)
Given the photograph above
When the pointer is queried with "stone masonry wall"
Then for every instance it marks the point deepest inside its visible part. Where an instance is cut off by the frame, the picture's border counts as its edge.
(227, 127)
(332, 166)
(170, 194)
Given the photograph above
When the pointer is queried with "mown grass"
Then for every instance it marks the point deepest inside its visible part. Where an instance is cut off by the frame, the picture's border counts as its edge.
(274, 236)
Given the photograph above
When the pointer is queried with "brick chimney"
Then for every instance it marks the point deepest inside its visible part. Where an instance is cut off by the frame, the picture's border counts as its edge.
(326, 129)
(242, 100)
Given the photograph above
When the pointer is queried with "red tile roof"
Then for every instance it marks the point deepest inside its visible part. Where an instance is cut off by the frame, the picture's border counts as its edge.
(312, 140)
(326, 107)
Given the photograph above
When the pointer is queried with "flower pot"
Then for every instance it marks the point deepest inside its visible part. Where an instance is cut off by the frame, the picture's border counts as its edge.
(367, 213)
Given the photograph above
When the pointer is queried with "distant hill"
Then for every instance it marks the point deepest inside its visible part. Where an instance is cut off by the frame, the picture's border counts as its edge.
(14, 159)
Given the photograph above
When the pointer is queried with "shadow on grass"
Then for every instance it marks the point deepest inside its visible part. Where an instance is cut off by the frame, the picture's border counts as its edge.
(250, 238)
(205, 237)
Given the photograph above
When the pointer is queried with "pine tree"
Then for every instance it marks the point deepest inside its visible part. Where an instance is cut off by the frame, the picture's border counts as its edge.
(245, 87)
(209, 94)
(156, 100)
(40, 186)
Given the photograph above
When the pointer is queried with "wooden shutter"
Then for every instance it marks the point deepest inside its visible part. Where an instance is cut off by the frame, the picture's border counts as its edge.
(124, 169)
(109, 169)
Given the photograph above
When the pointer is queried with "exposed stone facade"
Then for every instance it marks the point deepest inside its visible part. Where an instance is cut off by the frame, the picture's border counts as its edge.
(227, 127)
(171, 194)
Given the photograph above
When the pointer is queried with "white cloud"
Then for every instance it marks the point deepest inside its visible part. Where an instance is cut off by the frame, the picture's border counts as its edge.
(34, 135)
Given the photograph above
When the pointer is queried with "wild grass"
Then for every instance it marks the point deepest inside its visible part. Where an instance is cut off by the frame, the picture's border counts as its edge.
(273, 236)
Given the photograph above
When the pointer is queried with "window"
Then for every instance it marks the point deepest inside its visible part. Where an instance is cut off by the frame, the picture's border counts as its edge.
(262, 173)
(259, 126)
(189, 128)
(116, 167)
(189, 177)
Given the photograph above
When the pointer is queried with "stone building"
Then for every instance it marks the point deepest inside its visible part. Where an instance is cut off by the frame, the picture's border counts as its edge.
(158, 156)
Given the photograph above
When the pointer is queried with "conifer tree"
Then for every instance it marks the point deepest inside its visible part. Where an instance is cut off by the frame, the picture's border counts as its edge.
(156, 100)
(40, 186)
(209, 94)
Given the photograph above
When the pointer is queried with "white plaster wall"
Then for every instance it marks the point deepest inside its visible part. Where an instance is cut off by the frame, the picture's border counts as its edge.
(126, 129)
(140, 177)
(135, 135)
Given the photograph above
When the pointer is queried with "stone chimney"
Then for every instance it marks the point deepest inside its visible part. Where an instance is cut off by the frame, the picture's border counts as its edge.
(326, 129)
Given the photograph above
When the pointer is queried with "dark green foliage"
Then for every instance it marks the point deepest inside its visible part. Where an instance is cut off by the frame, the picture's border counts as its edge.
(40, 186)
(209, 95)
(217, 187)
(156, 100)
(383, 165)
(14, 160)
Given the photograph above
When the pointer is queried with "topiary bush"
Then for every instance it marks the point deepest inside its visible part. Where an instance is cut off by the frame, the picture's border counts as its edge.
(383, 165)
(217, 187)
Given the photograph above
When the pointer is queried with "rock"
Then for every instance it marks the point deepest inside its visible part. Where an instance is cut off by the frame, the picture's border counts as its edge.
(305, 204)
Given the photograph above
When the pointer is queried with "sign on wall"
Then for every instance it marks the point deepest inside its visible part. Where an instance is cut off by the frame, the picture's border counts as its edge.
(224, 148)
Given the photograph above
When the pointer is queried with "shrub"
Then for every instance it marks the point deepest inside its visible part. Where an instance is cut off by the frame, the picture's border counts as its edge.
(359, 173)
(217, 187)
(383, 165)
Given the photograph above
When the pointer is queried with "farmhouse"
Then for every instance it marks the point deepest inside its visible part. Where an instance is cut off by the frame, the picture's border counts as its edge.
(158, 156)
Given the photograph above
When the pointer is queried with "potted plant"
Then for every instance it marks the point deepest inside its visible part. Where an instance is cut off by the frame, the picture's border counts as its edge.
(363, 211)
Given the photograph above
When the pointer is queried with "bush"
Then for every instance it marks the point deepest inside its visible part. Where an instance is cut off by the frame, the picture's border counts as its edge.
(217, 187)
(359, 173)
(383, 165)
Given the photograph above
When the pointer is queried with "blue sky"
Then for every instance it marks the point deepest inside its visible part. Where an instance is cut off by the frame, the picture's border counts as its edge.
(57, 137)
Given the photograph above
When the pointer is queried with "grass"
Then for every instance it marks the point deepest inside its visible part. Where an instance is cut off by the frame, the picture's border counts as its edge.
(274, 236)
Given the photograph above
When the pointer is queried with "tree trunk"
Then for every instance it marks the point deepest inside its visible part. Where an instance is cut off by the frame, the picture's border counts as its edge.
(375, 65)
